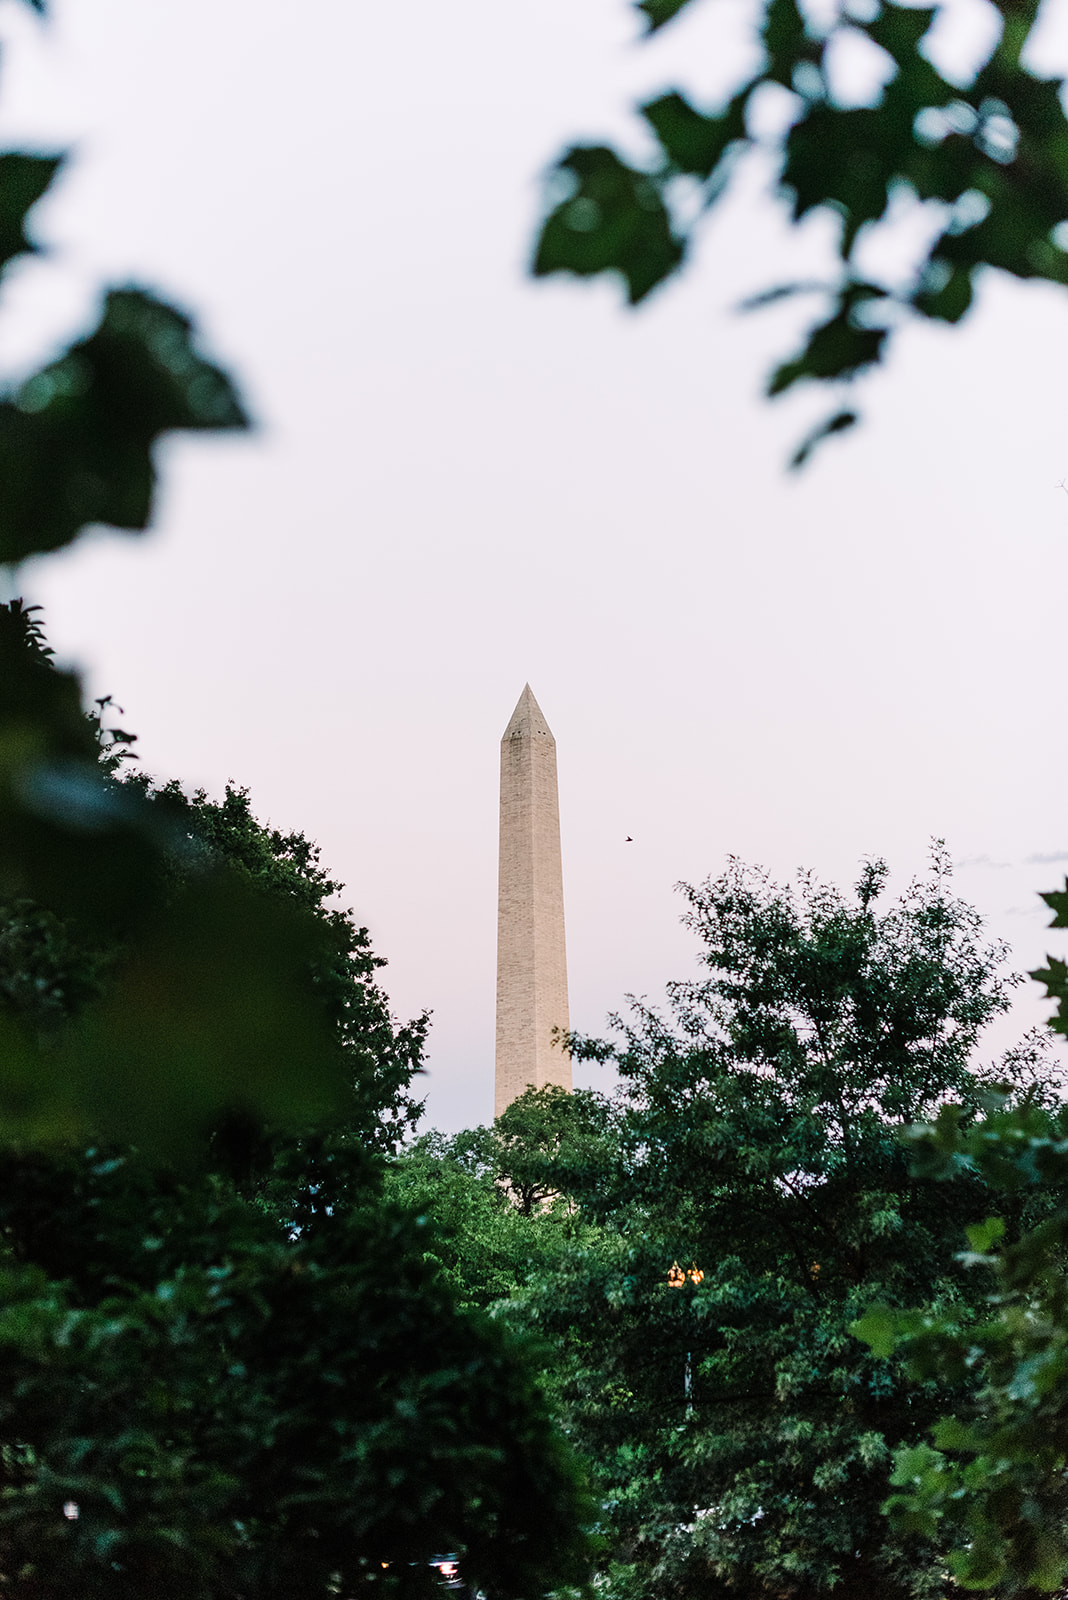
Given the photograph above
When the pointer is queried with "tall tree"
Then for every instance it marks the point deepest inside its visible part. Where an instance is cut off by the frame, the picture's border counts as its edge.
(758, 1200)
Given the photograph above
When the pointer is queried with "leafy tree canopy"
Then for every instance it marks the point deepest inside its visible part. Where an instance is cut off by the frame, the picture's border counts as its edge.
(747, 1199)
(991, 1485)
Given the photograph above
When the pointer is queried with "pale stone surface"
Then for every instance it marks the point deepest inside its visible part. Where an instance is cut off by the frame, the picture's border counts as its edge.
(531, 958)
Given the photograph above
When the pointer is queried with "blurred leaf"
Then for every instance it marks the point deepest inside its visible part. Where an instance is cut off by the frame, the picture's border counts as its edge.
(878, 1328)
(951, 299)
(211, 1012)
(23, 180)
(614, 220)
(781, 291)
(983, 1234)
(839, 423)
(77, 438)
(998, 141)
(692, 141)
(837, 348)
(657, 12)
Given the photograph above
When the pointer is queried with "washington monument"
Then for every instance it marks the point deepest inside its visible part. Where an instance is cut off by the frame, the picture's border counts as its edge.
(531, 960)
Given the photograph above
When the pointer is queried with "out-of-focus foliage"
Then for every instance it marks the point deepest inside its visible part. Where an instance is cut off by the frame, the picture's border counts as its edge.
(209, 1009)
(975, 165)
(735, 1208)
(227, 1366)
(993, 1484)
(379, 1057)
(76, 439)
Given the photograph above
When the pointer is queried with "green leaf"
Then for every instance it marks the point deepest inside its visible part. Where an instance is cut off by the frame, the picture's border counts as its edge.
(838, 423)
(1054, 976)
(953, 296)
(950, 1433)
(915, 1465)
(692, 141)
(615, 220)
(983, 1234)
(837, 158)
(1057, 900)
(23, 180)
(69, 838)
(982, 1565)
(835, 349)
(879, 1328)
(781, 291)
(77, 439)
(657, 12)
(211, 1013)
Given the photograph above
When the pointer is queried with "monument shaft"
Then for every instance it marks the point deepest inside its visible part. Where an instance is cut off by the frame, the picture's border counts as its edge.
(531, 956)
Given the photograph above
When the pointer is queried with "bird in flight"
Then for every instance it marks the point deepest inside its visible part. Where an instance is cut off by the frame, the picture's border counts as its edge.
(628, 840)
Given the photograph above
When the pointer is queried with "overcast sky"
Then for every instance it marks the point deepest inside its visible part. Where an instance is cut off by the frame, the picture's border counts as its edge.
(463, 480)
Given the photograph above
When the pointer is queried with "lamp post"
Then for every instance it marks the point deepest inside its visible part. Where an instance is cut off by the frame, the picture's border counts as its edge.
(678, 1277)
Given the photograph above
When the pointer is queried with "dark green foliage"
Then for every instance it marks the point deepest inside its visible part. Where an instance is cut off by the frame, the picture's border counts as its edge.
(46, 972)
(748, 1199)
(694, 142)
(76, 439)
(210, 1007)
(23, 180)
(379, 1057)
(613, 220)
(839, 423)
(991, 1487)
(658, 12)
(1054, 975)
(991, 153)
(263, 1387)
(234, 1413)
(545, 1140)
(486, 1241)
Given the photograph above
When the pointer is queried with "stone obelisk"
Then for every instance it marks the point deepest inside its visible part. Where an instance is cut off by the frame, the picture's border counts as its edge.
(531, 959)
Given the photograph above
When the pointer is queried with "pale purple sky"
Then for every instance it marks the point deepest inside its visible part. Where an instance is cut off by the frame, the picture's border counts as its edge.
(463, 481)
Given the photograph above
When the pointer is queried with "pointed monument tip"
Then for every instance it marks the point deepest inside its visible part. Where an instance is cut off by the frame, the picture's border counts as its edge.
(527, 717)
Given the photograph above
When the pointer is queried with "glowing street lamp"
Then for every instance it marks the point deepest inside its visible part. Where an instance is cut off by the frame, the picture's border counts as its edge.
(678, 1277)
